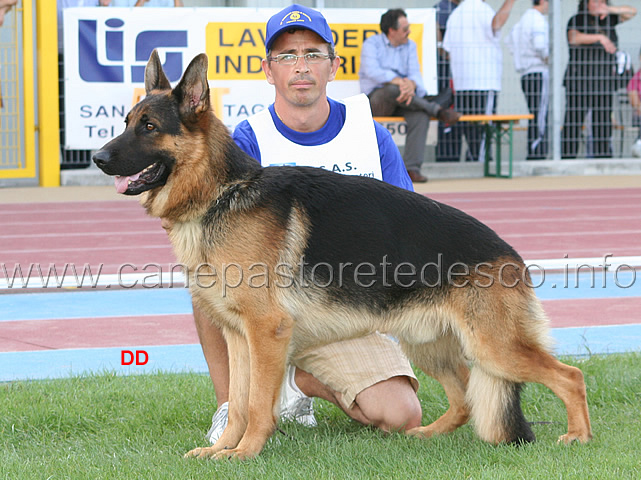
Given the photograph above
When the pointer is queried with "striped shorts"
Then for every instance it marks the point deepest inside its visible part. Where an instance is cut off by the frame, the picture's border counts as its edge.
(351, 366)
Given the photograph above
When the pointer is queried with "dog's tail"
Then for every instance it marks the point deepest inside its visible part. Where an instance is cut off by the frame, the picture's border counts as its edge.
(517, 354)
(495, 406)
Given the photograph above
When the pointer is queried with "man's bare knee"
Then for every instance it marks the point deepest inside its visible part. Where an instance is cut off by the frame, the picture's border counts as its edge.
(400, 416)
(391, 405)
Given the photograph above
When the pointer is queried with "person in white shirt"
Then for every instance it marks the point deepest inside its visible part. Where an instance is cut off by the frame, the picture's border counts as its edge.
(472, 39)
(529, 43)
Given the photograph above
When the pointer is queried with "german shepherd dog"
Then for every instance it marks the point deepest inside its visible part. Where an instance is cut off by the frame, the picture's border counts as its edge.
(339, 256)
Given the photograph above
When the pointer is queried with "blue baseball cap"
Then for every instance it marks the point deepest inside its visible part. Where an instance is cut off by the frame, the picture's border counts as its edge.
(297, 16)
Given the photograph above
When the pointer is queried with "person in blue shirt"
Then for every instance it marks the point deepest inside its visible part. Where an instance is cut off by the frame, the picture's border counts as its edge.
(391, 77)
(369, 378)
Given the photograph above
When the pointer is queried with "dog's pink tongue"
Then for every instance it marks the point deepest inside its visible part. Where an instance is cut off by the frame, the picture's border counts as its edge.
(122, 182)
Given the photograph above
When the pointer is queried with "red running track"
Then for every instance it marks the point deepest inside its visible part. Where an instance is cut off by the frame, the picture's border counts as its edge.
(539, 224)
(104, 332)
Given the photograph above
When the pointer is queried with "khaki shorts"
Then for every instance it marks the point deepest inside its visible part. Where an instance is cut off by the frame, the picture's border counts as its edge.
(350, 366)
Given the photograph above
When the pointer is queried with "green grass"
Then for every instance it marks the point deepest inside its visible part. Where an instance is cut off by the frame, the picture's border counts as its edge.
(138, 427)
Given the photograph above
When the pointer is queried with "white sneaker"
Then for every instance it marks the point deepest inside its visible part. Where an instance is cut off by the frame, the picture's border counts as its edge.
(294, 404)
(218, 423)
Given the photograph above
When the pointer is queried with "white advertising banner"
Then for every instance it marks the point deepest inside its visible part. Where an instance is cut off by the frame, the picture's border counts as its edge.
(106, 51)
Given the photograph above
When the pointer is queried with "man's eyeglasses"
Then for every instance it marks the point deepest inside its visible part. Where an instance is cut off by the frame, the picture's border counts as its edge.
(311, 58)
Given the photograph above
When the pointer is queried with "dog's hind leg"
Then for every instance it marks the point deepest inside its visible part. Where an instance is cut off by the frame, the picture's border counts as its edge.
(238, 395)
(565, 381)
(495, 399)
(443, 360)
(568, 384)
(516, 355)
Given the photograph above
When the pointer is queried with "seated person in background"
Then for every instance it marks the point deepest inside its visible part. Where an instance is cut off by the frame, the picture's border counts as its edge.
(390, 76)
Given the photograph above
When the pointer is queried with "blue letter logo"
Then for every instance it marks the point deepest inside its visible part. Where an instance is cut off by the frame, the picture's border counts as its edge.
(145, 44)
(91, 70)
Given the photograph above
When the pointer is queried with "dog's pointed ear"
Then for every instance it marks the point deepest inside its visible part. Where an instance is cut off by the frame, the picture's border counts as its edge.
(155, 78)
(193, 90)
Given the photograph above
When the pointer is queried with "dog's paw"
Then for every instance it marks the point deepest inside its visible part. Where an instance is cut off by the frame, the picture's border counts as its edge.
(235, 454)
(569, 438)
(224, 454)
(421, 432)
(204, 452)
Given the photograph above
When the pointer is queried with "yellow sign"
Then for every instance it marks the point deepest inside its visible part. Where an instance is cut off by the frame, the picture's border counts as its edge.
(235, 49)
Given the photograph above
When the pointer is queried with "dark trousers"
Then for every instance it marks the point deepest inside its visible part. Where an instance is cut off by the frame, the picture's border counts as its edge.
(448, 148)
(474, 102)
(417, 116)
(636, 122)
(535, 89)
(578, 102)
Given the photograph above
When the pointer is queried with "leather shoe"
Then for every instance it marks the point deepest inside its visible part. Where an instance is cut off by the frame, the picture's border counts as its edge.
(445, 98)
(449, 116)
(416, 177)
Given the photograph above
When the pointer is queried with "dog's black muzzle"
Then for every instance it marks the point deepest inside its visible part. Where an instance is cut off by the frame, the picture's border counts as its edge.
(101, 158)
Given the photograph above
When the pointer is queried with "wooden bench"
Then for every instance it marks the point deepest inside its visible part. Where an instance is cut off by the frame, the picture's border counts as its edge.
(497, 128)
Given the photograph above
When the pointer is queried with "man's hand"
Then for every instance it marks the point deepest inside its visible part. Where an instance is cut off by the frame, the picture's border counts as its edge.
(408, 90)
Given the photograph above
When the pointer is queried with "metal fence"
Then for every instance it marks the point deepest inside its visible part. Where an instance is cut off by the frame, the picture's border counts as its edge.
(579, 99)
(10, 121)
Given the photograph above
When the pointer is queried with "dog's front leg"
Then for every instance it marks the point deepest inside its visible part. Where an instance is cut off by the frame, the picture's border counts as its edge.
(268, 339)
(239, 374)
